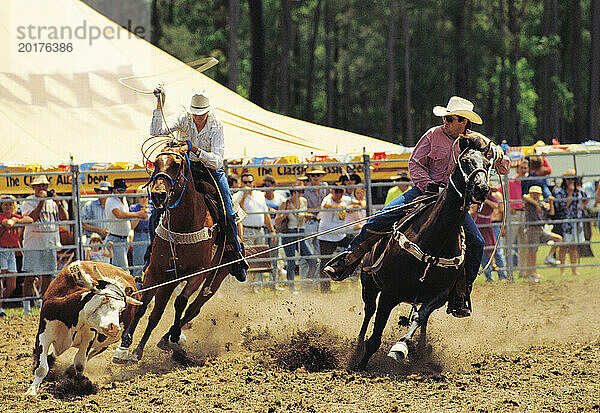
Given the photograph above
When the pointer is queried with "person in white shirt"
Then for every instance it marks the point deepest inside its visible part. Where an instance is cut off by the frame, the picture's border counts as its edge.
(204, 132)
(41, 240)
(253, 203)
(117, 209)
(295, 231)
(330, 218)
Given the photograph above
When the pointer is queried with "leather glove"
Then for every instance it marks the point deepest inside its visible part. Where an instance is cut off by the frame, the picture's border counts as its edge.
(159, 92)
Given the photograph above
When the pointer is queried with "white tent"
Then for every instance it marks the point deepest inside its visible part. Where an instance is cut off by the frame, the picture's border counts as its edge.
(54, 104)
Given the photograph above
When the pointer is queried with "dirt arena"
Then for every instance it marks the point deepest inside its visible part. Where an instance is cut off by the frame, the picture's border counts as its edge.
(528, 347)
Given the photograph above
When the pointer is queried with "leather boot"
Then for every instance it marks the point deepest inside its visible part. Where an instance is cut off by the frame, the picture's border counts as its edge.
(238, 269)
(338, 268)
(459, 305)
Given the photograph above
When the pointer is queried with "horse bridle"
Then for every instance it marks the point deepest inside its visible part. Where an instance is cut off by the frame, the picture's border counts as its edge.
(175, 183)
(467, 178)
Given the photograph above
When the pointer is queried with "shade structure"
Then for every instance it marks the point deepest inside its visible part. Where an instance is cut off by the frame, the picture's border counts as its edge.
(68, 102)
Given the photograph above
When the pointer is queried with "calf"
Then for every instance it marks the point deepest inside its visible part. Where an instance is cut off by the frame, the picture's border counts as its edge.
(84, 308)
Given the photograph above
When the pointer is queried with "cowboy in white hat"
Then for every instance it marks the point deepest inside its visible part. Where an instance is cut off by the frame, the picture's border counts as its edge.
(198, 125)
(429, 167)
(41, 240)
(93, 213)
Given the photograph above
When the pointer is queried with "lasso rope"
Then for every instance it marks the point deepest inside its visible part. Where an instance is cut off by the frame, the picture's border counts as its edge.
(177, 280)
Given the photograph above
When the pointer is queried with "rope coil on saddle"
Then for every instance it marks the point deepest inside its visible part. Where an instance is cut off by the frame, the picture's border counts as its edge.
(195, 237)
(418, 253)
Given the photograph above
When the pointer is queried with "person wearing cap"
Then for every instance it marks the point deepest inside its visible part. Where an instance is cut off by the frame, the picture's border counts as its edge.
(93, 213)
(402, 182)
(535, 178)
(333, 215)
(10, 237)
(430, 165)
(314, 192)
(536, 211)
(570, 204)
(119, 225)
(41, 241)
(199, 125)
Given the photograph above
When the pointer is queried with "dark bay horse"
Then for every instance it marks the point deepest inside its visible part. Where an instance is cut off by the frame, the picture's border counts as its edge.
(188, 239)
(436, 233)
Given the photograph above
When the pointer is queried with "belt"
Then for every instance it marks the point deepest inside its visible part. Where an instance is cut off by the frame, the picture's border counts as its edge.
(143, 231)
(248, 226)
(119, 236)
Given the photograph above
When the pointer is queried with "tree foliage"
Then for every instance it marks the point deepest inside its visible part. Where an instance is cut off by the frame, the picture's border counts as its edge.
(526, 64)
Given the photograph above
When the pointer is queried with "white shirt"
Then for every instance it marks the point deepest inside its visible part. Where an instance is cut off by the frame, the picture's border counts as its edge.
(331, 219)
(41, 236)
(254, 202)
(210, 139)
(122, 227)
(296, 219)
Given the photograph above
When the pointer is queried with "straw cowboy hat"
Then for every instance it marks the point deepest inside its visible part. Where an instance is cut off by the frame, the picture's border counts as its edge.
(315, 170)
(40, 180)
(103, 186)
(199, 104)
(460, 107)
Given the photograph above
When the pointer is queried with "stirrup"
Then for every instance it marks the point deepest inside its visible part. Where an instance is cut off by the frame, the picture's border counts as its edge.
(459, 306)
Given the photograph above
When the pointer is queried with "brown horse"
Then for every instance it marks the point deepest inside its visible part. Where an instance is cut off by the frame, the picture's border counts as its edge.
(188, 239)
(423, 259)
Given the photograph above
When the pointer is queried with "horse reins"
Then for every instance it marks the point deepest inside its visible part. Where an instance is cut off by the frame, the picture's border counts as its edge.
(262, 253)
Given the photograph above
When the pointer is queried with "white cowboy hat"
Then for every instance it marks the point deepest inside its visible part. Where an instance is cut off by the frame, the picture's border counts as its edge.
(40, 180)
(315, 170)
(103, 186)
(458, 106)
(199, 104)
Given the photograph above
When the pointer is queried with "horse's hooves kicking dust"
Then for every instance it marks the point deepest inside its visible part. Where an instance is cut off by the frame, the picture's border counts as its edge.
(180, 356)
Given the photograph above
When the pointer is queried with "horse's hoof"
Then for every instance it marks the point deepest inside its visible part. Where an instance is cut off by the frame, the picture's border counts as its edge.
(123, 356)
(32, 391)
(399, 351)
(137, 354)
(165, 345)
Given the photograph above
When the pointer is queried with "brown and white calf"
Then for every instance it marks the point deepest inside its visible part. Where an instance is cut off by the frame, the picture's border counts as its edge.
(88, 305)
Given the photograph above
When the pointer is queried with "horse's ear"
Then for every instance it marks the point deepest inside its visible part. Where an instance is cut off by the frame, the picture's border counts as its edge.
(473, 141)
(465, 142)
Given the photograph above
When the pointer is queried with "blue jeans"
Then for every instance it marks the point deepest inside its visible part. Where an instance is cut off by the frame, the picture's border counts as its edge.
(499, 257)
(139, 251)
(474, 240)
(312, 227)
(290, 251)
(221, 179)
(119, 251)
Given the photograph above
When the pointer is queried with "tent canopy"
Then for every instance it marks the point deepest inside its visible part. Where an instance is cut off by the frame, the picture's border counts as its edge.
(57, 104)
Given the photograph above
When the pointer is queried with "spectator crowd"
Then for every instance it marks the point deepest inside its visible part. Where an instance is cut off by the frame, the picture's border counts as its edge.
(304, 219)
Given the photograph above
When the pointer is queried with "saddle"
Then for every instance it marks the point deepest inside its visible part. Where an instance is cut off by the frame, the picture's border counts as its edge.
(211, 196)
(377, 242)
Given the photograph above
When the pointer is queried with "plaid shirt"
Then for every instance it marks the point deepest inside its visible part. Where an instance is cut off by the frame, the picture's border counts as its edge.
(210, 139)
(93, 210)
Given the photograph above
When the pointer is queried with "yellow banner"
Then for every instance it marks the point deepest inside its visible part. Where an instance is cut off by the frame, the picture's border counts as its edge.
(91, 175)
(285, 174)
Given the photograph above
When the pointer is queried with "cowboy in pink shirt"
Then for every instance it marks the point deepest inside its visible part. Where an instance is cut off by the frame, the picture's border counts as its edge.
(430, 166)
